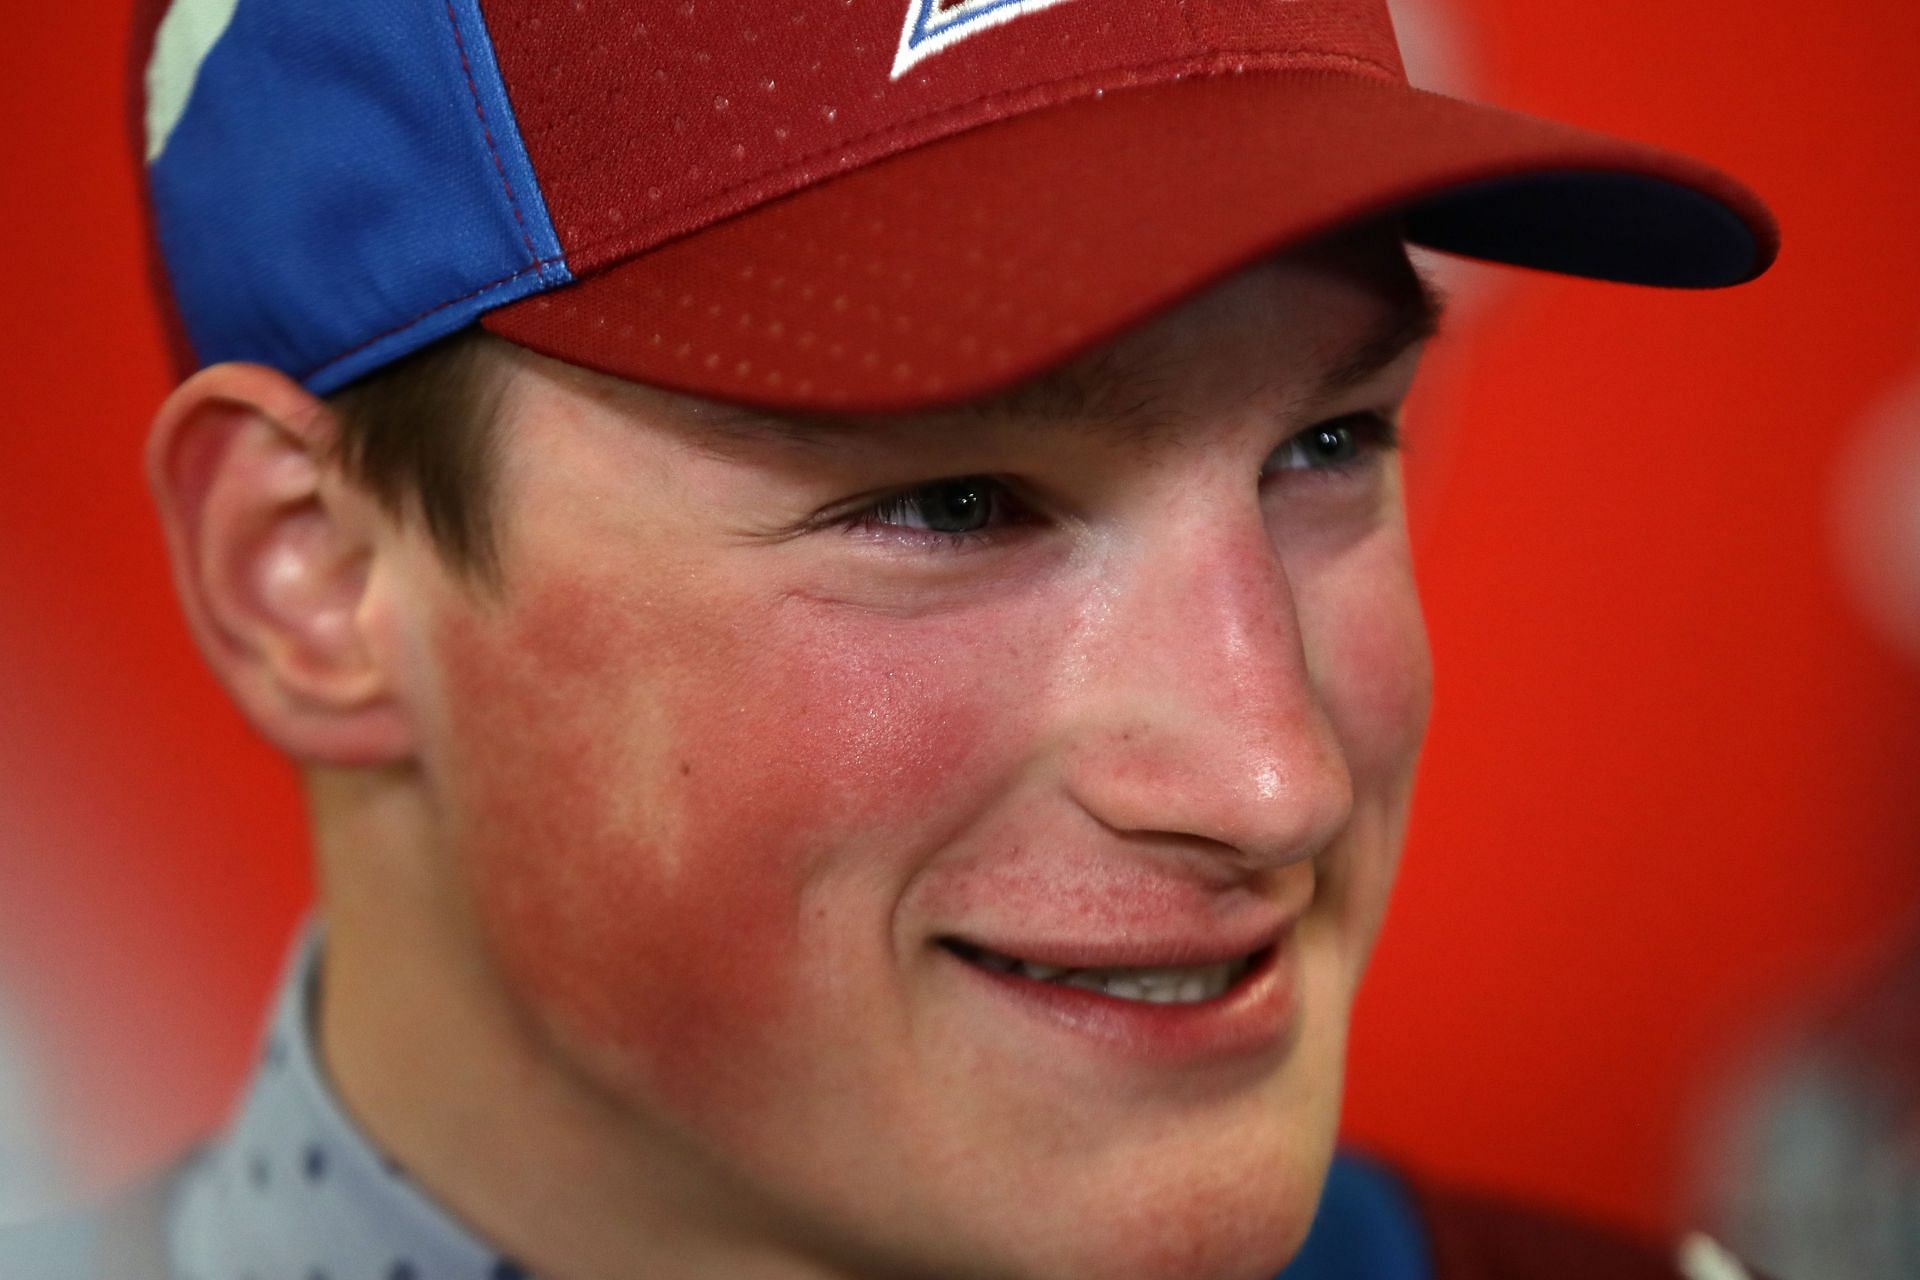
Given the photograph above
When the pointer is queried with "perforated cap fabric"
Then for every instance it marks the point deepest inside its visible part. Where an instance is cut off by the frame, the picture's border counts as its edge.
(882, 205)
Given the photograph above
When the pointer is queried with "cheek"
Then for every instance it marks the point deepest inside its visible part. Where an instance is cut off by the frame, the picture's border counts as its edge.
(656, 803)
(1367, 649)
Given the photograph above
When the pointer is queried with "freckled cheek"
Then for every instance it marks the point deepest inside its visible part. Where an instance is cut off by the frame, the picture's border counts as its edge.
(1368, 645)
(651, 812)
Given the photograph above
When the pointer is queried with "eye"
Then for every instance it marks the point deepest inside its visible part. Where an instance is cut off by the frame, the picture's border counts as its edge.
(1336, 445)
(955, 510)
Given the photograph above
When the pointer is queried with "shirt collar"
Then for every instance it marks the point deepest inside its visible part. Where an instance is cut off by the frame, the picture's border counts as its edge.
(294, 1188)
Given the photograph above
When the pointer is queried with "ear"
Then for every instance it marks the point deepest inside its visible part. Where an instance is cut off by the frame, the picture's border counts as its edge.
(273, 551)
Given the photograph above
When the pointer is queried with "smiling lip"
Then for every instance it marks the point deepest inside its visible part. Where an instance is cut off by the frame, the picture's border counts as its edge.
(1255, 1015)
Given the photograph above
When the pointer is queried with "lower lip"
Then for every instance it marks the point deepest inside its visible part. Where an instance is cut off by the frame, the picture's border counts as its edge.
(1256, 1016)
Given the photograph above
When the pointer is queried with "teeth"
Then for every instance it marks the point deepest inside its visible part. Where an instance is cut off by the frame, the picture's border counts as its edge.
(1182, 985)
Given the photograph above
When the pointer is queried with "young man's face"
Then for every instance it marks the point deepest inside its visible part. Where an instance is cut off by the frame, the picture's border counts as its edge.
(782, 743)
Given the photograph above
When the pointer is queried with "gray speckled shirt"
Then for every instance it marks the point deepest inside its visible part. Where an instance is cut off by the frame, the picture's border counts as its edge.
(293, 1190)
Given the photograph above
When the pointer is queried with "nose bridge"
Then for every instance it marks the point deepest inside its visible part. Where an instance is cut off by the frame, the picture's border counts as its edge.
(1203, 718)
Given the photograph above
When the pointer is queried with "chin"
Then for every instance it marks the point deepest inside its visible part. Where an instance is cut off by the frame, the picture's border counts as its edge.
(1244, 1232)
(1214, 1201)
(1097, 1170)
(1206, 1194)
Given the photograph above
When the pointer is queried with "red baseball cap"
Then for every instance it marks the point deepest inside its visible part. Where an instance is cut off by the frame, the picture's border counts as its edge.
(848, 204)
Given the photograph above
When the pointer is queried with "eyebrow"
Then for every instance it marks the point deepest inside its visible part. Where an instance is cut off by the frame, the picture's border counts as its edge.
(1416, 317)
(1101, 393)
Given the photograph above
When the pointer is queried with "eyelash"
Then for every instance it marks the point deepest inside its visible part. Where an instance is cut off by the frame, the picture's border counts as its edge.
(1372, 435)
(886, 516)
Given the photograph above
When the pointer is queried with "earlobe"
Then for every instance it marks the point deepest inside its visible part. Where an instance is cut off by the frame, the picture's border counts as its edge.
(273, 553)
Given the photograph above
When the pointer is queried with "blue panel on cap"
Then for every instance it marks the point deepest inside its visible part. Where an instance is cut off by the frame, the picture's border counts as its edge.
(346, 185)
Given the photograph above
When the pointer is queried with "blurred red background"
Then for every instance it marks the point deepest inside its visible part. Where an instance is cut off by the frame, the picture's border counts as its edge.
(1669, 796)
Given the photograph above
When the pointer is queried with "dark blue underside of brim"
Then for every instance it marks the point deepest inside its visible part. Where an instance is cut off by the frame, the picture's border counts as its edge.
(1624, 227)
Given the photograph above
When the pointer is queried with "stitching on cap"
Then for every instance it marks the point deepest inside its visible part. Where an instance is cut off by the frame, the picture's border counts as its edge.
(480, 113)
(1270, 58)
(1186, 20)
(539, 265)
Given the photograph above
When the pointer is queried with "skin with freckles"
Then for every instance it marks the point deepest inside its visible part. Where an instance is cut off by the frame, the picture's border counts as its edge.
(700, 798)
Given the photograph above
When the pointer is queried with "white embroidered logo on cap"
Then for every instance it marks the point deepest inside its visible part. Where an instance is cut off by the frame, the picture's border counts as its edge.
(1704, 1258)
(186, 36)
(932, 25)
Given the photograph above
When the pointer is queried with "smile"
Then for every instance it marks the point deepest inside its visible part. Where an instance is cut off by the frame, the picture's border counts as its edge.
(1170, 984)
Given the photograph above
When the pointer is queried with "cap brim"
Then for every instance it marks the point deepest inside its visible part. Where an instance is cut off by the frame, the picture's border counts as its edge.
(961, 267)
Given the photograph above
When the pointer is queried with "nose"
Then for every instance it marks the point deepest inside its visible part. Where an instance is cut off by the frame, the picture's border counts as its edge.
(1197, 712)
